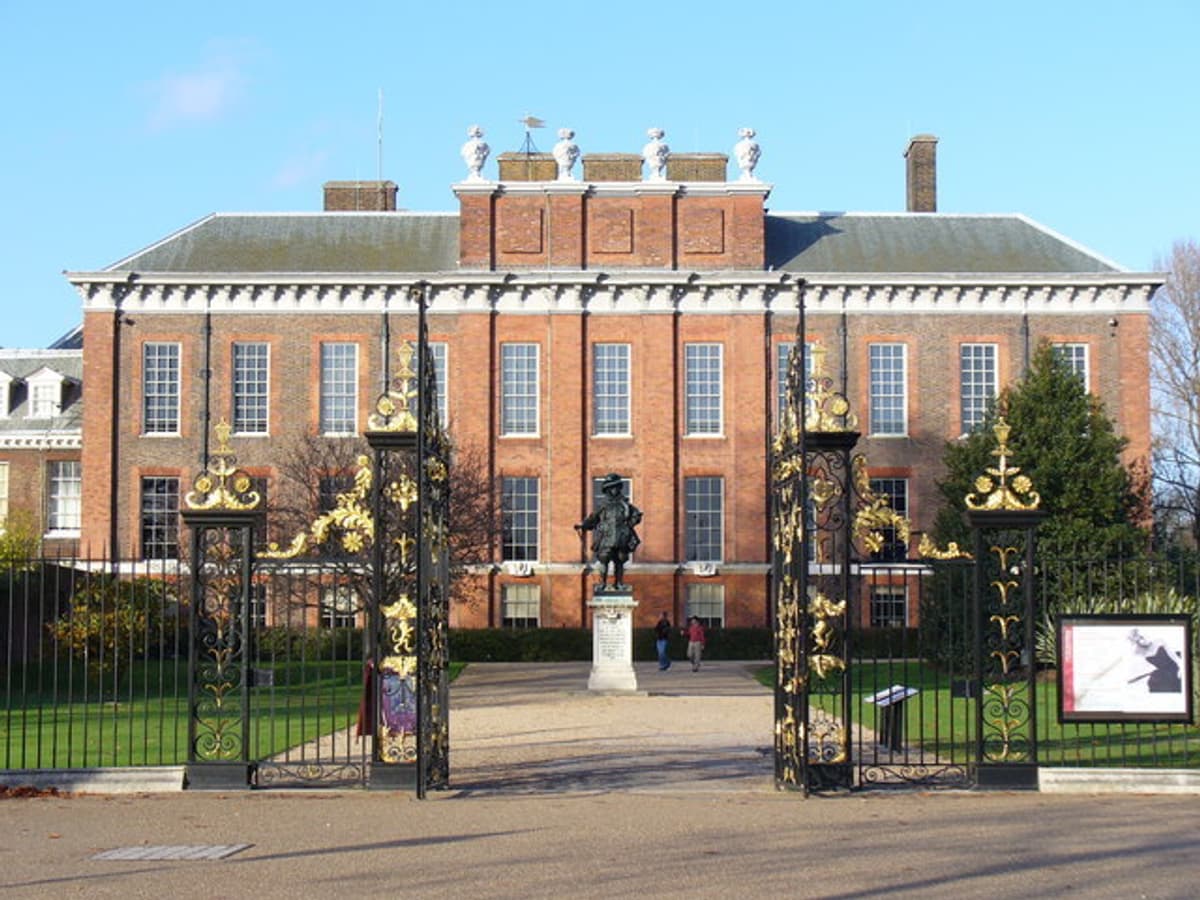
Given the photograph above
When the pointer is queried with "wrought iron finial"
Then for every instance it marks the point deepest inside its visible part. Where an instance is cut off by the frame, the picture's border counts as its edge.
(1003, 488)
(825, 409)
(222, 485)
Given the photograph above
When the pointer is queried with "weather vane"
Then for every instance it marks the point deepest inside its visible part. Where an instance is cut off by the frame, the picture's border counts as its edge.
(530, 123)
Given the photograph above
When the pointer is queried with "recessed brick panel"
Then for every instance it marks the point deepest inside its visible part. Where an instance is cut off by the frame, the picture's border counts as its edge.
(520, 228)
(702, 230)
(612, 231)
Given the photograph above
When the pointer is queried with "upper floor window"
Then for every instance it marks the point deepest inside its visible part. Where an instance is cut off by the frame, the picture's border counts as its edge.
(1075, 357)
(160, 518)
(704, 518)
(440, 353)
(978, 383)
(45, 394)
(251, 383)
(160, 388)
(339, 388)
(702, 389)
(783, 356)
(3, 491)
(63, 495)
(889, 414)
(519, 502)
(610, 389)
(518, 389)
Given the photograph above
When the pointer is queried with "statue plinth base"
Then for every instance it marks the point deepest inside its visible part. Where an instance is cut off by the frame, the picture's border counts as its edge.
(612, 640)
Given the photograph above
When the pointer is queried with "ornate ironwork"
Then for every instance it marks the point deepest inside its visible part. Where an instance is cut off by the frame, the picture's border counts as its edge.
(222, 485)
(1007, 701)
(1011, 490)
(927, 549)
(218, 723)
(350, 521)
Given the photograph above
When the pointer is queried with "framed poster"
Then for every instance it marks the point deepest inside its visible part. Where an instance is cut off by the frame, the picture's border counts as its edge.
(1125, 668)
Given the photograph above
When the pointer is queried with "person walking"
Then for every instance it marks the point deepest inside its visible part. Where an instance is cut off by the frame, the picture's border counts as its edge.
(695, 639)
(662, 634)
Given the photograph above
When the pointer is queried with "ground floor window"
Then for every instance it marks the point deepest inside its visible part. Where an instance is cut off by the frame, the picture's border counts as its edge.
(160, 518)
(520, 605)
(889, 606)
(707, 603)
(339, 607)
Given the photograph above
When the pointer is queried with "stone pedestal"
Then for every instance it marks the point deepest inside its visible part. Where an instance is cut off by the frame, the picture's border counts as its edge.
(612, 640)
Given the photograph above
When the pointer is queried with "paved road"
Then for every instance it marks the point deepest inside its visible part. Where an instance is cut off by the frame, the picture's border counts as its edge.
(535, 829)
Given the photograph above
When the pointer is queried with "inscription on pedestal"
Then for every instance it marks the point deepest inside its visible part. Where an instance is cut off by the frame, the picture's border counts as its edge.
(612, 642)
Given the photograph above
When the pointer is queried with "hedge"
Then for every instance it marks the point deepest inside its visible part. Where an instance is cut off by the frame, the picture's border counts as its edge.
(572, 644)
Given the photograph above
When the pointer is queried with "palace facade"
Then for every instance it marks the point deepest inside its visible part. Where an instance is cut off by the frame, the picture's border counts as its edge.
(632, 318)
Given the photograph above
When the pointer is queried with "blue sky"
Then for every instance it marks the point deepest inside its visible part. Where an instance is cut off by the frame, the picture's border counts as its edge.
(127, 121)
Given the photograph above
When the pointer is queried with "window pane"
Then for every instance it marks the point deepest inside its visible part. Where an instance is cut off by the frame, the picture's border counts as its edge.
(440, 355)
(160, 518)
(610, 388)
(707, 603)
(702, 377)
(520, 605)
(160, 388)
(518, 388)
(250, 386)
(977, 382)
(45, 402)
(1074, 356)
(519, 519)
(703, 507)
(64, 496)
(888, 389)
(3, 491)
(339, 388)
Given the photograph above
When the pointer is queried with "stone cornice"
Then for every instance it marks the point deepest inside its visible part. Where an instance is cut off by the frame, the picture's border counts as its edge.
(619, 292)
(40, 440)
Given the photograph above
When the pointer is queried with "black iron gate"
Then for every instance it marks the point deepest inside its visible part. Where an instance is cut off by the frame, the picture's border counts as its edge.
(307, 673)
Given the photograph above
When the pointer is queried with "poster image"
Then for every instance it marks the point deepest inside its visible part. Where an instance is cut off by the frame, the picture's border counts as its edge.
(1125, 668)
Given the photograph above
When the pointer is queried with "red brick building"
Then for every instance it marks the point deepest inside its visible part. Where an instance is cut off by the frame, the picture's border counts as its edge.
(615, 323)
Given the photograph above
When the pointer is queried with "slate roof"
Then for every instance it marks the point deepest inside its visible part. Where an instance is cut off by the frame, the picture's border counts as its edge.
(402, 242)
(20, 364)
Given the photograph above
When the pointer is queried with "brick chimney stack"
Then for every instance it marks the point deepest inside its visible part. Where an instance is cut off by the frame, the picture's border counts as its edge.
(360, 196)
(921, 157)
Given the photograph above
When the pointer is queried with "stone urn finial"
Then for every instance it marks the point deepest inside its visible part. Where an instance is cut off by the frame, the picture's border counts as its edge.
(655, 154)
(746, 152)
(566, 152)
(475, 153)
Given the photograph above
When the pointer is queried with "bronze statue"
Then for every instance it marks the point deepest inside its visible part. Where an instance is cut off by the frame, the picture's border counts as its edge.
(613, 537)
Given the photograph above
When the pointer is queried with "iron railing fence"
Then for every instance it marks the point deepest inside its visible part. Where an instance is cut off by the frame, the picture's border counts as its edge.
(94, 667)
(1133, 582)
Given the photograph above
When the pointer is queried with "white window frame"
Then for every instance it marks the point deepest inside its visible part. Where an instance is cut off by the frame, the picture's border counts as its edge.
(524, 598)
(338, 389)
(896, 490)
(169, 526)
(524, 520)
(6, 381)
(64, 496)
(704, 389)
(892, 595)
(3, 490)
(520, 389)
(441, 375)
(610, 390)
(161, 387)
(702, 599)
(698, 529)
(888, 380)
(1076, 357)
(975, 391)
(250, 367)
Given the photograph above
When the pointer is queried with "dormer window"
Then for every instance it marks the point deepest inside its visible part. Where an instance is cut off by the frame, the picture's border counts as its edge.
(45, 394)
(6, 381)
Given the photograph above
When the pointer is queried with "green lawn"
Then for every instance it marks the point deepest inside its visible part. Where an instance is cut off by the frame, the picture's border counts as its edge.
(943, 725)
(142, 719)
